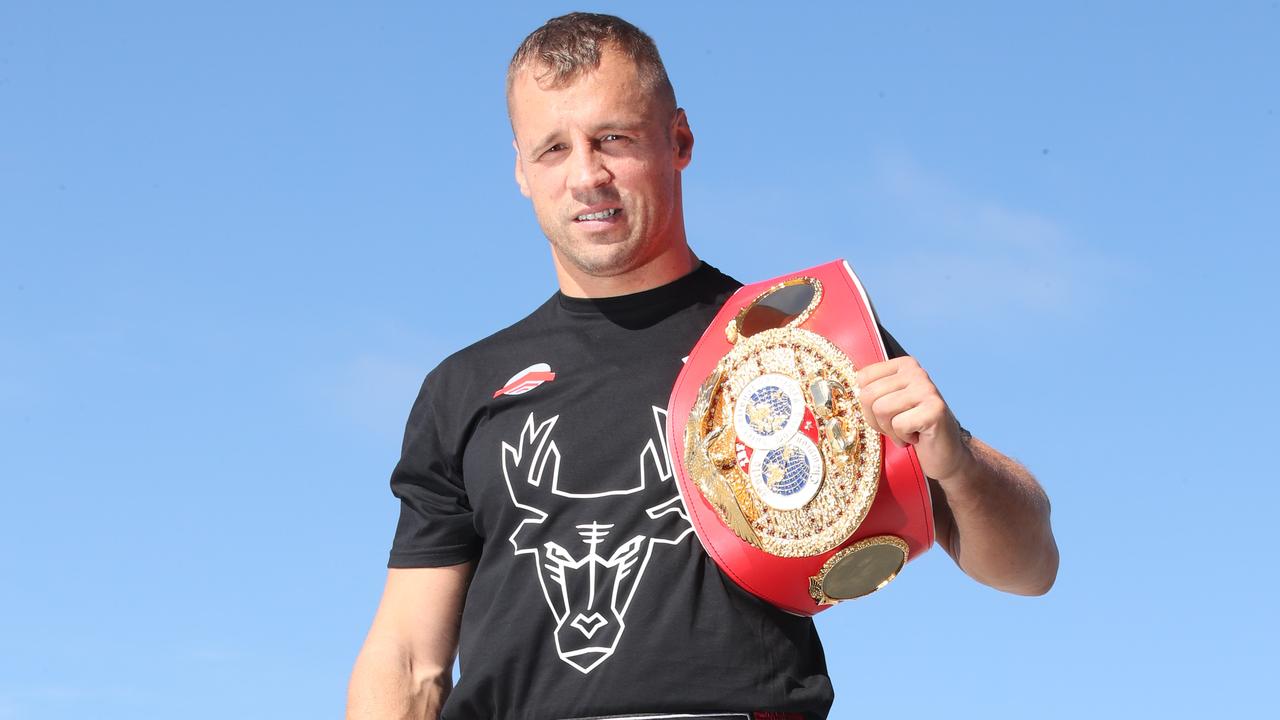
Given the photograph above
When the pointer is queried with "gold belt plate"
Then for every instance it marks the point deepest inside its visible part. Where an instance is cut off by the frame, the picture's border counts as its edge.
(850, 448)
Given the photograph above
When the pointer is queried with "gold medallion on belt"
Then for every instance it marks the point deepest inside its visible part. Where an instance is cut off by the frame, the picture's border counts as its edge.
(749, 397)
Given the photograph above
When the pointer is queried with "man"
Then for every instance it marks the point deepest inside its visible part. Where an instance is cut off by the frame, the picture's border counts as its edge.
(540, 527)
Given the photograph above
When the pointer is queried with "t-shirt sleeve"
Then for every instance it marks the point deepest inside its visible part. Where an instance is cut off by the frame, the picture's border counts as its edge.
(436, 525)
(893, 349)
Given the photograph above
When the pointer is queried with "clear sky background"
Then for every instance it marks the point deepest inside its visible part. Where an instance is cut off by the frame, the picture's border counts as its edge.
(234, 236)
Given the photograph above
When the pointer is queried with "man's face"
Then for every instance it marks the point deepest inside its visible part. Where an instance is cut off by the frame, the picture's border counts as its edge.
(601, 161)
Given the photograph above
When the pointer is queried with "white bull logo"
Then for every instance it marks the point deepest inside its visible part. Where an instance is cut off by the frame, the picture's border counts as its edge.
(589, 571)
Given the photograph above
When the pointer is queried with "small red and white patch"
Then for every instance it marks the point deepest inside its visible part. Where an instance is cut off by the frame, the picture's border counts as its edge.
(527, 379)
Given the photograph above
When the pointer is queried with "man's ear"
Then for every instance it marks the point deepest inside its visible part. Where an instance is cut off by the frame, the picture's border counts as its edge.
(524, 185)
(681, 139)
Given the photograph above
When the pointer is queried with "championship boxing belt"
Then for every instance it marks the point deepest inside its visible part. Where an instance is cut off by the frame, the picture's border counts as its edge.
(789, 489)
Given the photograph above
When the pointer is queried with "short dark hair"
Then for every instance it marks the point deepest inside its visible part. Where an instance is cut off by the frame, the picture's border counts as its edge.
(569, 45)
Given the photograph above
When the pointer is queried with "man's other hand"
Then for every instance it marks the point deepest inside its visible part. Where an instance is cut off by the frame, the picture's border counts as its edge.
(899, 400)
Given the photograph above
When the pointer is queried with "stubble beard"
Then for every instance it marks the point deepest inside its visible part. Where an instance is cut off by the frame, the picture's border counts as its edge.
(602, 257)
(598, 260)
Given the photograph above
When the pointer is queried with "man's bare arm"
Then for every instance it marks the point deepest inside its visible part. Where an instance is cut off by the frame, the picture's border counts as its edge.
(405, 669)
(991, 515)
(992, 518)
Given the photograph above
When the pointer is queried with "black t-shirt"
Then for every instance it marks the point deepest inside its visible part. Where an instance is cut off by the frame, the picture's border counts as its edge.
(539, 453)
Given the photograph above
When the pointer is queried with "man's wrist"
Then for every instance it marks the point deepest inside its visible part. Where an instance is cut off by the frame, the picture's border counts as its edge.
(964, 467)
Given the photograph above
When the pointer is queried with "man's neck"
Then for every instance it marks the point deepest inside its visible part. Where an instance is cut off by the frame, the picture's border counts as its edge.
(662, 270)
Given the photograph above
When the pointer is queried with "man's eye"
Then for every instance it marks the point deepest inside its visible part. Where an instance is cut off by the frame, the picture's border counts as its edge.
(553, 149)
(608, 138)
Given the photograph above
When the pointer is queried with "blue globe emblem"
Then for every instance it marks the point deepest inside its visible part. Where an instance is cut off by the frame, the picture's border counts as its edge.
(769, 410)
(785, 470)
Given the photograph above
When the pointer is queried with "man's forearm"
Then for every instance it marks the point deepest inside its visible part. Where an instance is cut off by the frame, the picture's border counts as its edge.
(405, 669)
(993, 519)
(385, 685)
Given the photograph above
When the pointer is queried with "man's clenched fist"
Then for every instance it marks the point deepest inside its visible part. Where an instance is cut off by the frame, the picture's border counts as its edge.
(899, 400)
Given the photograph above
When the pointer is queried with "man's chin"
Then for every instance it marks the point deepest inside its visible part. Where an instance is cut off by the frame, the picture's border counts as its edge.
(607, 260)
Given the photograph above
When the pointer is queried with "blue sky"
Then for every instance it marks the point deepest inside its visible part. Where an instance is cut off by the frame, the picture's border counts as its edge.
(234, 236)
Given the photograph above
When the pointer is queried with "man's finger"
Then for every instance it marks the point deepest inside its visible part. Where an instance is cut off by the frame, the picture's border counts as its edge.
(887, 409)
(873, 372)
(910, 423)
(871, 393)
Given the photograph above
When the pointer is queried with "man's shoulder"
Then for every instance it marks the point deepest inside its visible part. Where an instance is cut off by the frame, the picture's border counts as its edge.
(458, 368)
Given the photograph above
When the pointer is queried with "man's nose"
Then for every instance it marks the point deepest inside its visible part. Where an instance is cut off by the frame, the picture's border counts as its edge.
(588, 171)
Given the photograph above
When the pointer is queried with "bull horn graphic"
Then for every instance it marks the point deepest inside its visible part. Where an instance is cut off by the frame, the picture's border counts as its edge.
(588, 565)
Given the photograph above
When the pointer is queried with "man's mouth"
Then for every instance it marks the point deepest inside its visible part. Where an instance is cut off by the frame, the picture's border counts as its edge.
(599, 215)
